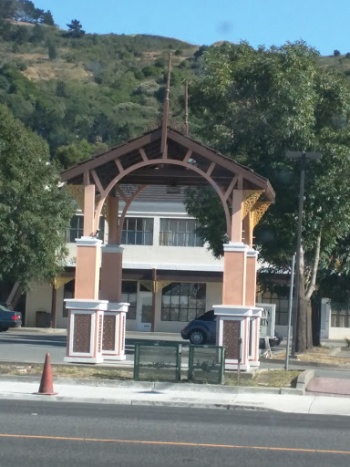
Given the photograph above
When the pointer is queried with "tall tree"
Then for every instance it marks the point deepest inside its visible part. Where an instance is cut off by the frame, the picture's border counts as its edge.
(26, 11)
(257, 104)
(34, 211)
(47, 18)
(7, 8)
(75, 29)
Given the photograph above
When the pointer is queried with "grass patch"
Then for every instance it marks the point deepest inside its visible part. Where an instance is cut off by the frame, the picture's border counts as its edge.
(322, 354)
(265, 378)
(262, 378)
(67, 371)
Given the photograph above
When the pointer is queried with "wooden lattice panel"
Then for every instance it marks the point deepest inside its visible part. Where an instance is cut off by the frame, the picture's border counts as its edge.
(82, 333)
(259, 210)
(250, 197)
(231, 337)
(109, 332)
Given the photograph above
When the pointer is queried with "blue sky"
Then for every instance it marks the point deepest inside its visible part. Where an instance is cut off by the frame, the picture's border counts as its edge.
(323, 24)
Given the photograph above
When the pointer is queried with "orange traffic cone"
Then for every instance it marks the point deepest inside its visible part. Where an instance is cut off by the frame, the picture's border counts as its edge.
(46, 385)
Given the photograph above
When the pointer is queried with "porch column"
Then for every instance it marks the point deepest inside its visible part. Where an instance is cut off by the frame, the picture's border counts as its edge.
(85, 311)
(114, 325)
(250, 300)
(237, 329)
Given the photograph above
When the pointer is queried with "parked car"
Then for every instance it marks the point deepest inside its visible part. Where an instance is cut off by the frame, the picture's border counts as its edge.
(202, 330)
(9, 318)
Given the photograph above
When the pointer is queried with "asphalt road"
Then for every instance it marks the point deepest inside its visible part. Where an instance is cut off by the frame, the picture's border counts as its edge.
(38, 434)
(31, 347)
(19, 346)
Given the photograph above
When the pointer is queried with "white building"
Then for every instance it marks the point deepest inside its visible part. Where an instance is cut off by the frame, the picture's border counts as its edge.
(169, 276)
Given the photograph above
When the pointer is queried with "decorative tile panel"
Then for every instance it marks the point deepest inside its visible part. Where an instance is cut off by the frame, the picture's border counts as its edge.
(109, 332)
(231, 337)
(82, 333)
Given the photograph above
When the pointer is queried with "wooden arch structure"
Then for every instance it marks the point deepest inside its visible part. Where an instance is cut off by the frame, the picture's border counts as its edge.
(160, 157)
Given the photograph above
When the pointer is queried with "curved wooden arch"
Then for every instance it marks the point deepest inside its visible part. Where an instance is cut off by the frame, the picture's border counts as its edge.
(163, 161)
(125, 210)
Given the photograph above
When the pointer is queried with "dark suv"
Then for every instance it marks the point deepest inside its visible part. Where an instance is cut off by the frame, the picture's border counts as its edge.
(202, 330)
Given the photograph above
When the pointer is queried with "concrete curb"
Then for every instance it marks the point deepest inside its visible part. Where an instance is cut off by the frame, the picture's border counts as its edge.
(302, 363)
(133, 402)
(304, 379)
(160, 387)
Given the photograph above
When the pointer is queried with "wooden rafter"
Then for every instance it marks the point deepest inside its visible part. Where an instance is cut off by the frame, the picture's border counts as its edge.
(143, 155)
(211, 169)
(230, 188)
(188, 156)
(119, 165)
(97, 181)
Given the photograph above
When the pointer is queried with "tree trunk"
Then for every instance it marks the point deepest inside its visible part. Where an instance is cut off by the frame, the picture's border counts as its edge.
(309, 338)
(301, 341)
(304, 313)
(304, 334)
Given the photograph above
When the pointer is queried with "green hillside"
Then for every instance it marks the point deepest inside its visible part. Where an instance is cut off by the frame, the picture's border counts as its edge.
(85, 92)
(92, 90)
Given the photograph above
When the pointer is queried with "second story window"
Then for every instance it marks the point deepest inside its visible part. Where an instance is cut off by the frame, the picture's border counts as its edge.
(137, 231)
(179, 232)
(76, 228)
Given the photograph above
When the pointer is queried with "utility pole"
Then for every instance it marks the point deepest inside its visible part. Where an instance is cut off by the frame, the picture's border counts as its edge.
(303, 157)
(290, 308)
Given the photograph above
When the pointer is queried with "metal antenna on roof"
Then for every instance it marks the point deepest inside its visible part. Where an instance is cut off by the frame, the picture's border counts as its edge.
(186, 108)
(163, 144)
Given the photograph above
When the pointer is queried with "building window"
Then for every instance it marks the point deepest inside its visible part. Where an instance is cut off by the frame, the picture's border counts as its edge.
(183, 301)
(129, 295)
(137, 231)
(340, 316)
(76, 228)
(179, 232)
(68, 292)
(281, 306)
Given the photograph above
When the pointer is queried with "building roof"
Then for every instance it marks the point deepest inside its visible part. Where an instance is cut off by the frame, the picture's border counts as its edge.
(183, 162)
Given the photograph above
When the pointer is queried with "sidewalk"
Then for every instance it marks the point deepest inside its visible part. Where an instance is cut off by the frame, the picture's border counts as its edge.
(174, 395)
(326, 393)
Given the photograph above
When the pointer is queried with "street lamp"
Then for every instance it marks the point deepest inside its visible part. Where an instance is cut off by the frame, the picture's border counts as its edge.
(303, 157)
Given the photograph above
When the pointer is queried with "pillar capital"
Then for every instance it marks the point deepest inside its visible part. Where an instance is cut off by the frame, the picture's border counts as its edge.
(112, 248)
(86, 304)
(118, 306)
(251, 253)
(87, 240)
(237, 247)
(237, 311)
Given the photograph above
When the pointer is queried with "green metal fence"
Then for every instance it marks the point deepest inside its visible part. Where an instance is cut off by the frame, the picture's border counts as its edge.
(157, 362)
(206, 364)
